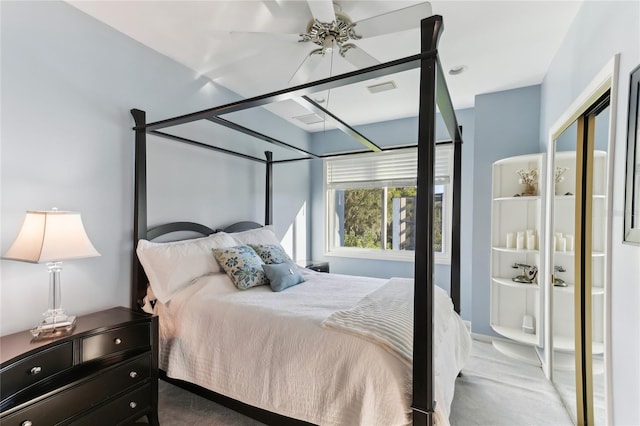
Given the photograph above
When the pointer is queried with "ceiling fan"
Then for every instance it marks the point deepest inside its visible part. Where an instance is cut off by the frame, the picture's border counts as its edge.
(333, 30)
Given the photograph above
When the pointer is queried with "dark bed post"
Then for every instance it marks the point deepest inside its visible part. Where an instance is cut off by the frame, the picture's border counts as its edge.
(140, 204)
(268, 213)
(455, 226)
(423, 381)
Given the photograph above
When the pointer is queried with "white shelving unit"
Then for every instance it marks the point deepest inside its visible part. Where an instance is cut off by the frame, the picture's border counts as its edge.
(512, 213)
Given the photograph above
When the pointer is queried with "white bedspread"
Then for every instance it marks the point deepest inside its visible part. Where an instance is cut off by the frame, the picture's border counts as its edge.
(384, 317)
(270, 350)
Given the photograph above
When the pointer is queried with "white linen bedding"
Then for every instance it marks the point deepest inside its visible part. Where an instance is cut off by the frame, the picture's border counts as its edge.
(384, 317)
(270, 350)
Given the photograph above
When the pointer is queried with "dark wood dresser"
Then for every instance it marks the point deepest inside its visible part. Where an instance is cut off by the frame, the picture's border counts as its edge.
(104, 373)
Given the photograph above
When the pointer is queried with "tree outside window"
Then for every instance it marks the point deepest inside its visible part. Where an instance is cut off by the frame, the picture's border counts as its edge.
(365, 223)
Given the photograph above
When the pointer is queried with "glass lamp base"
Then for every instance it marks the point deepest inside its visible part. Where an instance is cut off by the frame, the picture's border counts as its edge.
(54, 326)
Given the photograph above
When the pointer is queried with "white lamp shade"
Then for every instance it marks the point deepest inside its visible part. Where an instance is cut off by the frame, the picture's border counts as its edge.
(51, 236)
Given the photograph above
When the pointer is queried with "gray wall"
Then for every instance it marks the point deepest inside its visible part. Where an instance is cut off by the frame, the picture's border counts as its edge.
(506, 125)
(398, 132)
(602, 29)
(68, 83)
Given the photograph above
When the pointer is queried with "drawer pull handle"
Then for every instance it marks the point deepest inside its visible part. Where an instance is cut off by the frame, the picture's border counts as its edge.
(117, 341)
(133, 404)
(133, 374)
(34, 371)
(26, 423)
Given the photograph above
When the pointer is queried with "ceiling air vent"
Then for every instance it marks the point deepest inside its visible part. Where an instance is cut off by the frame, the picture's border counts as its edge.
(309, 118)
(382, 87)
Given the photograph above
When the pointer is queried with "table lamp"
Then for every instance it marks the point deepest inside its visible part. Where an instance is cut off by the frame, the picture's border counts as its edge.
(51, 237)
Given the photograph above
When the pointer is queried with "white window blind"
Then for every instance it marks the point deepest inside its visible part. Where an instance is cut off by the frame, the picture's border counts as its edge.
(392, 169)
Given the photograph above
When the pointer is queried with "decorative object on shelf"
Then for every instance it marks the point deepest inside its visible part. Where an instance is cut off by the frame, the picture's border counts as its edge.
(560, 242)
(569, 239)
(529, 273)
(559, 173)
(528, 178)
(528, 324)
(522, 240)
(559, 177)
(51, 237)
(511, 240)
(558, 282)
(531, 239)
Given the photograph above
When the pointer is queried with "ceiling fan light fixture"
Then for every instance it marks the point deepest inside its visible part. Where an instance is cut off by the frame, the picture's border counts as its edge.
(321, 33)
(382, 87)
(328, 42)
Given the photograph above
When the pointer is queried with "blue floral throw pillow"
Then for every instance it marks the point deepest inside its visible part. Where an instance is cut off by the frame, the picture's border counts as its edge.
(271, 253)
(243, 266)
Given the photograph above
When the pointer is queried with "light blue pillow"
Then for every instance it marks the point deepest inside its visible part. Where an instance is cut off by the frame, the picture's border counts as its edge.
(242, 264)
(271, 253)
(283, 275)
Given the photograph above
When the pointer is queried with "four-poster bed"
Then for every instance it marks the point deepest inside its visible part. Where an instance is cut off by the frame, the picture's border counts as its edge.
(432, 89)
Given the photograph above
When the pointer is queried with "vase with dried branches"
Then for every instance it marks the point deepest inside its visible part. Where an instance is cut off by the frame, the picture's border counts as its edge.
(559, 178)
(528, 178)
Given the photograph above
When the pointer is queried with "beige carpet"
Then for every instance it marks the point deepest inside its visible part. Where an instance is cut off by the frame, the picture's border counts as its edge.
(178, 407)
(496, 390)
(493, 390)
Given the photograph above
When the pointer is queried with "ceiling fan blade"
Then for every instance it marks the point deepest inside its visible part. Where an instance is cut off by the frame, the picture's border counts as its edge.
(240, 48)
(306, 68)
(358, 57)
(398, 20)
(322, 10)
(265, 37)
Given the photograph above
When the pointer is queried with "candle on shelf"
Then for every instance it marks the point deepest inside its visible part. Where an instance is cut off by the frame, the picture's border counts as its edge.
(569, 242)
(531, 242)
(511, 240)
(554, 242)
(520, 241)
(561, 244)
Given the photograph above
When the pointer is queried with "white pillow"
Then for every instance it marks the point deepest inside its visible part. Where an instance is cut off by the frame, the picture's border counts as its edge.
(262, 235)
(172, 266)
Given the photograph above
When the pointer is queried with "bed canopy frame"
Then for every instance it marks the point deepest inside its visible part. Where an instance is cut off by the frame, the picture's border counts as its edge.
(433, 89)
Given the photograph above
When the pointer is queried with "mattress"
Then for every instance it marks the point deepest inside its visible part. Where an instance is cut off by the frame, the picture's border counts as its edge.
(270, 350)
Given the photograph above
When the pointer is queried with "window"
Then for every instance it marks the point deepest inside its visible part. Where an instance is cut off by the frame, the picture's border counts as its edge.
(370, 201)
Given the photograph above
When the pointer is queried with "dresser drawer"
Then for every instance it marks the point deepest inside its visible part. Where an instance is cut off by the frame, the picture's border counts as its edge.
(79, 398)
(34, 368)
(123, 409)
(114, 341)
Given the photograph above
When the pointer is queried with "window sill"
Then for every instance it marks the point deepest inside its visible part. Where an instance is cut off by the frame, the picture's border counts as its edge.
(391, 255)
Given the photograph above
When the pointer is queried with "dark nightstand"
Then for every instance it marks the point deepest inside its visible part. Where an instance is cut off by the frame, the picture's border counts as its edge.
(316, 265)
(104, 372)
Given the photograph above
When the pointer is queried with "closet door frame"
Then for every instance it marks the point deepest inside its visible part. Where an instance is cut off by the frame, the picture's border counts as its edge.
(605, 81)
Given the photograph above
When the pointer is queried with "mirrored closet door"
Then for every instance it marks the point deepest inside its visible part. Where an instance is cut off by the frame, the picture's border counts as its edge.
(562, 251)
(577, 257)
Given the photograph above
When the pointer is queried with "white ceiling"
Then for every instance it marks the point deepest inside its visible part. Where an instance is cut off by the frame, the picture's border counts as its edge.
(251, 46)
